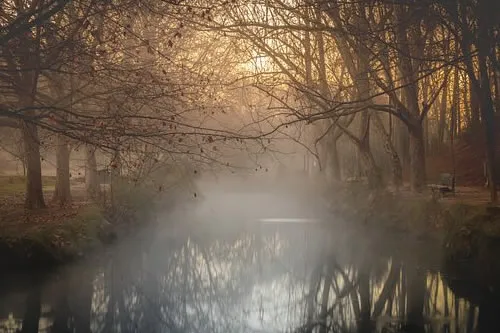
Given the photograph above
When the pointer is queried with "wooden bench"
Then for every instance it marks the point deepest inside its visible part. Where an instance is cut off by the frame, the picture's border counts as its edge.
(445, 185)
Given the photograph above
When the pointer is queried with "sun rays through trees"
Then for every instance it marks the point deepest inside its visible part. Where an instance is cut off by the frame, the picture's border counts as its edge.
(366, 89)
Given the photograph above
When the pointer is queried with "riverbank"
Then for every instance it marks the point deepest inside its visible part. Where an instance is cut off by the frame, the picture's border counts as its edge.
(61, 234)
(421, 215)
(50, 236)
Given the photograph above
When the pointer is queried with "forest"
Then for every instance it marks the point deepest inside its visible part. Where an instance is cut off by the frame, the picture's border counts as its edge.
(249, 166)
(378, 87)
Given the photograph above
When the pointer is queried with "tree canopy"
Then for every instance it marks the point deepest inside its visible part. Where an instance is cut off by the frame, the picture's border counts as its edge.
(370, 88)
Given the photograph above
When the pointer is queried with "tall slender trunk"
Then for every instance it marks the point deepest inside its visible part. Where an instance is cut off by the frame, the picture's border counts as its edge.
(397, 169)
(475, 109)
(369, 165)
(28, 60)
(406, 36)
(425, 100)
(333, 153)
(402, 141)
(357, 63)
(427, 135)
(116, 164)
(496, 87)
(116, 171)
(465, 92)
(334, 160)
(62, 193)
(455, 109)
(487, 108)
(487, 113)
(417, 158)
(442, 113)
(308, 59)
(34, 190)
(91, 181)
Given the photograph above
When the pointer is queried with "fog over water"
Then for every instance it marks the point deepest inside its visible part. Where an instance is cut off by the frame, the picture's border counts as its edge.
(248, 257)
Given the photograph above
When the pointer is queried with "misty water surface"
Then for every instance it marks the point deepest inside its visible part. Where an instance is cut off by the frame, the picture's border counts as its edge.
(213, 266)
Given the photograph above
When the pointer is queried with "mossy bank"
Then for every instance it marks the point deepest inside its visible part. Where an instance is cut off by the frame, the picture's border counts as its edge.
(57, 235)
(420, 215)
(52, 236)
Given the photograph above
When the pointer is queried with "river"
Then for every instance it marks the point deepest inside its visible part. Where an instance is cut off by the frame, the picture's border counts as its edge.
(212, 267)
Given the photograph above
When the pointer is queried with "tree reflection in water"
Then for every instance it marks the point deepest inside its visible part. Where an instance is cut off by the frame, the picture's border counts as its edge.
(281, 278)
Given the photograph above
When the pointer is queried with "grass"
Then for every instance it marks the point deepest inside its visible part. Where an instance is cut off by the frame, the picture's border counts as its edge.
(16, 185)
(468, 219)
(59, 232)
(419, 214)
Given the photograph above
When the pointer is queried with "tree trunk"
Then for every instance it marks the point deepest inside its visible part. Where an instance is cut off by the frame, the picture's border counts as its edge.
(34, 190)
(116, 164)
(358, 66)
(364, 92)
(496, 86)
(487, 109)
(487, 113)
(401, 142)
(62, 193)
(371, 168)
(465, 92)
(334, 161)
(397, 169)
(455, 108)
(417, 158)
(407, 35)
(91, 181)
(442, 113)
(425, 100)
(23, 162)
(474, 107)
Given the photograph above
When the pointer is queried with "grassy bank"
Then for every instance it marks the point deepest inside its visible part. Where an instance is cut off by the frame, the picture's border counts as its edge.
(56, 235)
(417, 214)
(50, 236)
(16, 185)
